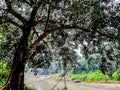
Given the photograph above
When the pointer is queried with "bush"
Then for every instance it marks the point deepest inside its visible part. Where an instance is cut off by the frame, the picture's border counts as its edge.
(89, 77)
(2, 81)
(28, 88)
(95, 77)
(116, 75)
(4, 71)
(74, 77)
(81, 77)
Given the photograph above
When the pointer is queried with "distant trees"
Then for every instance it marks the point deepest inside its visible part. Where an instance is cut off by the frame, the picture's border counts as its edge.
(35, 32)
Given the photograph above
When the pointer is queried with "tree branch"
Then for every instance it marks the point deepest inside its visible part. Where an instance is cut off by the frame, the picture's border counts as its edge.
(15, 24)
(36, 43)
(18, 16)
(50, 30)
(34, 11)
(107, 35)
(14, 13)
(8, 3)
(35, 32)
(47, 46)
(43, 20)
(47, 17)
(6, 19)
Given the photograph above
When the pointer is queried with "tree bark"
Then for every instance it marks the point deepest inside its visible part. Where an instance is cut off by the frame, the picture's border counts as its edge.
(16, 77)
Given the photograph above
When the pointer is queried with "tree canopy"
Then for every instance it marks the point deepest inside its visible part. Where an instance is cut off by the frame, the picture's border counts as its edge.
(39, 31)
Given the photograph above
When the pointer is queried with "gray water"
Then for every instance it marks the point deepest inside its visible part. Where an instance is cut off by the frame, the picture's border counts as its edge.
(43, 84)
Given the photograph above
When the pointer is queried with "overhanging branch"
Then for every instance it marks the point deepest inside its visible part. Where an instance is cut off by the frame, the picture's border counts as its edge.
(5, 19)
(47, 17)
(8, 3)
(107, 35)
(43, 20)
(15, 24)
(34, 11)
(18, 16)
(50, 30)
(36, 43)
(14, 13)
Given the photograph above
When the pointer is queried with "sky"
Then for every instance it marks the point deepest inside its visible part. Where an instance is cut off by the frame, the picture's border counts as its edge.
(118, 1)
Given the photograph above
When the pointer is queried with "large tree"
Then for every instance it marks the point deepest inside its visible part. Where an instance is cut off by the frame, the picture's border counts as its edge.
(39, 21)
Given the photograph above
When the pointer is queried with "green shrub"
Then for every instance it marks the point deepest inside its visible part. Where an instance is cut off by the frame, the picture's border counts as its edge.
(116, 75)
(81, 77)
(89, 77)
(95, 77)
(4, 71)
(2, 81)
(74, 77)
(28, 88)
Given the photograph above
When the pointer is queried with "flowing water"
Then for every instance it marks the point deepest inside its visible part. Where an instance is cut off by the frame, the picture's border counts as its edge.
(41, 83)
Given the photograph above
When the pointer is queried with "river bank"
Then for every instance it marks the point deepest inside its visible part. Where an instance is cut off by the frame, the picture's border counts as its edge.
(94, 86)
(31, 80)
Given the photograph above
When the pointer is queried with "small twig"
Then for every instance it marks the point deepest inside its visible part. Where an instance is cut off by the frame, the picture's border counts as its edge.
(48, 17)
(35, 32)
(48, 47)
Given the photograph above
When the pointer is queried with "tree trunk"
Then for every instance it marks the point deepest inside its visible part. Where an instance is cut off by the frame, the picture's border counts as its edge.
(16, 77)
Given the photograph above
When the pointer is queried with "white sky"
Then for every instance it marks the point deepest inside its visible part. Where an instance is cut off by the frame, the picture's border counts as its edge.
(118, 1)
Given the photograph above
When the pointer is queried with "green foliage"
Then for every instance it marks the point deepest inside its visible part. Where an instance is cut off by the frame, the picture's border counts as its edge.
(97, 23)
(28, 88)
(116, 75)
(80, 77)
(74, 77)
(95, 77)
(2, 81)
(89, 77)
(4, 70)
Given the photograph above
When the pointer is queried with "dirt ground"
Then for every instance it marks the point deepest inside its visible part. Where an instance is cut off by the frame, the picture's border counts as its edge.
(95, 86)
(98, 86)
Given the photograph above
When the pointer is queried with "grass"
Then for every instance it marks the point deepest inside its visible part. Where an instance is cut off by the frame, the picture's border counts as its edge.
(28, 88)
(96, 76)
(2, 82)
(4, 71)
